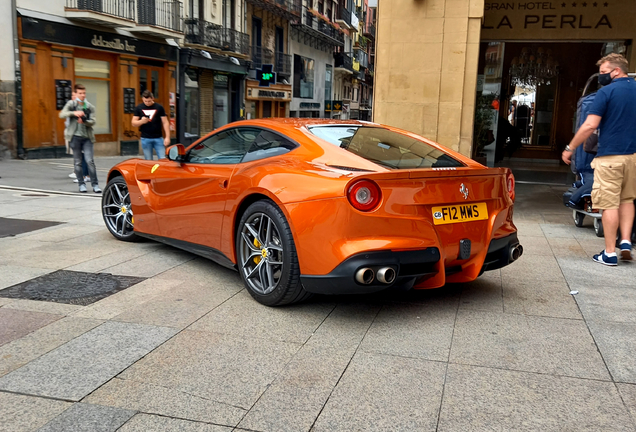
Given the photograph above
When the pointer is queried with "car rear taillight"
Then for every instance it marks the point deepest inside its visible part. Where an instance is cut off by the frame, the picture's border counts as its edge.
(510, 185)
(364, 195)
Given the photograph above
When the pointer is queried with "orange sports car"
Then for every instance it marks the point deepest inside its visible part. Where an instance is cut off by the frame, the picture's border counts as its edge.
(301, 206)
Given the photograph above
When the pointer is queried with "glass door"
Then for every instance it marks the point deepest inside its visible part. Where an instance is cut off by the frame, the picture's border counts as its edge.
(150, 79)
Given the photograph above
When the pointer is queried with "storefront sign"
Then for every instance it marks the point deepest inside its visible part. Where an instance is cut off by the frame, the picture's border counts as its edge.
(337, 105)
(87, 38)
(310, 105)
(63, 93)
(584, 19)
(129, 100)
(115, 44)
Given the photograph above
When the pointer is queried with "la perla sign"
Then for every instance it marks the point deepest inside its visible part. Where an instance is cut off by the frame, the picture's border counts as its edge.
(116, 44)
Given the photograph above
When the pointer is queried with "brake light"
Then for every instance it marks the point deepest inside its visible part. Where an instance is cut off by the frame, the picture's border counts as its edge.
(510, 185)
(364, 195)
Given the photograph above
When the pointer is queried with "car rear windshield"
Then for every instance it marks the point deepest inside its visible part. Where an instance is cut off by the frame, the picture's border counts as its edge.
(387, 148)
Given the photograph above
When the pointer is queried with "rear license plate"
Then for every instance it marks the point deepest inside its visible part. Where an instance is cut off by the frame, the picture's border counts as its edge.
(459, 213)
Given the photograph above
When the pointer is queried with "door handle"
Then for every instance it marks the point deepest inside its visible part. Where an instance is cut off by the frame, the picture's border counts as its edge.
(223, 184)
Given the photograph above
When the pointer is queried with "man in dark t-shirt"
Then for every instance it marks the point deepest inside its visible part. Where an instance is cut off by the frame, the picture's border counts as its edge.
(613, 112)
(150, 118)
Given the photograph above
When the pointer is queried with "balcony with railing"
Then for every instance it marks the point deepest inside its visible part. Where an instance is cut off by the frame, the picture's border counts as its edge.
(106, 13)
(361, 57)
(321, 29)
(288, 9)
(282, 62)
(343, 16)
(159, 18)
(369, 30)
(201, 32)
(344, 62)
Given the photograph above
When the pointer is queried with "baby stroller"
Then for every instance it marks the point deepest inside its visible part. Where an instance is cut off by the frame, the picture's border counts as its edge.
(578, 197)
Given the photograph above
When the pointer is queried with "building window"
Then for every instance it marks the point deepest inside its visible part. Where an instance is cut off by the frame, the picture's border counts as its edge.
(192, 103)
(303, 77)
(95, 76)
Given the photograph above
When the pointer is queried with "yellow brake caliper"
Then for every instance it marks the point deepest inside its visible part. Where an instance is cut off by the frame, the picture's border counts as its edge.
(257, 259)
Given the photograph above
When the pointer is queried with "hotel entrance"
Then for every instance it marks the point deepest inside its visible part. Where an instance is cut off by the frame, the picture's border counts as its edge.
(535, 59)
(527, 97)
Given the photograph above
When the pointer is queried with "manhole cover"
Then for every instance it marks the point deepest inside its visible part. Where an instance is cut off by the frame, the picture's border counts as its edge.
(11, 227)
(71, 287)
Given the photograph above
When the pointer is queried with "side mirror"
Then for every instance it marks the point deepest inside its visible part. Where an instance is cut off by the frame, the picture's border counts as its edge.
(176, 152)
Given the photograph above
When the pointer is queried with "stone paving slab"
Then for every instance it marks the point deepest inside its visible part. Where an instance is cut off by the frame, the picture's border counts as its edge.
(420, 331)
(294, 400)
(15, 274)
(526, 270)
(145, 423)
(243, 316)
(178, 307)
(379, 393)
(165, 401)
(548, 299)
(15, 324)
(526, 343)
(78, 367)
(129, 298)
(222, 368)
(628, 393)
(151, 264)
(485, 293)
(587, 272)
(82, 417)
(483, 399)
(19, 413)
(617, 343)
(611, 303)
(21, 351)
(566, 247)
(43, 306)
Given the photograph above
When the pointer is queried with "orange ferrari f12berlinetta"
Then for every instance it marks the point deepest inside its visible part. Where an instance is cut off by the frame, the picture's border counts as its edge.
(302, 206)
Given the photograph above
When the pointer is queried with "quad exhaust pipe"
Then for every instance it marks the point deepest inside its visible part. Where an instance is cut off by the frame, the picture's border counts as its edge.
(515, 252)
(386, 275)
(366, 275)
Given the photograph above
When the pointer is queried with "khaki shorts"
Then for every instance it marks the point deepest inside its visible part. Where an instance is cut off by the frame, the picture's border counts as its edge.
(614, 181)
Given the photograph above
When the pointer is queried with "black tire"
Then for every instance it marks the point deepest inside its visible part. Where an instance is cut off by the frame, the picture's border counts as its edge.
(578, 218)
(598, 227)
(266, 256)
(117, 211)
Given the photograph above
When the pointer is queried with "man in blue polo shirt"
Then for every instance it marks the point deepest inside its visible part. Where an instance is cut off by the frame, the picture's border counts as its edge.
(614, 190)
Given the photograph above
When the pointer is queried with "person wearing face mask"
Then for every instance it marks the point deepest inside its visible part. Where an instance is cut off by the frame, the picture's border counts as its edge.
(613, 112)
(81, 115)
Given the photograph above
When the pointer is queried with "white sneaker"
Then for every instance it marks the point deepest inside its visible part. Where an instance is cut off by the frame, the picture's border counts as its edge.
(87, 178)
(73, 176)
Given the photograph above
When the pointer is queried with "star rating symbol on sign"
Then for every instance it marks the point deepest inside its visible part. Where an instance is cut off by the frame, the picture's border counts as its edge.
(574, 4)
(583, 4)
(594, 4)
(562, 4)
(606, 4)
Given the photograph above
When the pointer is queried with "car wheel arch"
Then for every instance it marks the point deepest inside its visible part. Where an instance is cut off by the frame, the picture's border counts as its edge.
(114, 173)
(247, 201)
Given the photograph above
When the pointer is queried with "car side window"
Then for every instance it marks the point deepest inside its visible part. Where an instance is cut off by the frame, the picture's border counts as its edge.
(268, 144)
(227, 147)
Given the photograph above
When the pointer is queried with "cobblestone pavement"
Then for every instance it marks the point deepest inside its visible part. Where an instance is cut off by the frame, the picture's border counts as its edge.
(187, 349)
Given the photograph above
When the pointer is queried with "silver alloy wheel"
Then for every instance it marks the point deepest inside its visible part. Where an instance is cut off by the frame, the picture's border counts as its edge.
(261, 253)
(117, 210)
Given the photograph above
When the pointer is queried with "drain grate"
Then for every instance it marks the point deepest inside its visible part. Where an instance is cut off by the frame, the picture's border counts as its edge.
(71, 287)
(12, 227)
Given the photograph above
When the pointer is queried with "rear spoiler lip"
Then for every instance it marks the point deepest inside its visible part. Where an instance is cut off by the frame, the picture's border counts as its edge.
(433, 173)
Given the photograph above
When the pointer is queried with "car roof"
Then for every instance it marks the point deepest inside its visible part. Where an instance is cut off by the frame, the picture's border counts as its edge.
(286, 122)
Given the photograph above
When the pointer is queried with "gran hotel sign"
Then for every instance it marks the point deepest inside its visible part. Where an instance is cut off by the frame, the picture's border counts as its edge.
(573, 19)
